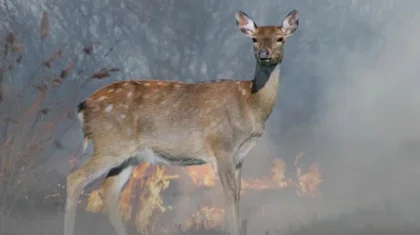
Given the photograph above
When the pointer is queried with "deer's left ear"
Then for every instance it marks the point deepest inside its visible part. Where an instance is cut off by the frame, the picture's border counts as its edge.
(245, 23)
(290, 23)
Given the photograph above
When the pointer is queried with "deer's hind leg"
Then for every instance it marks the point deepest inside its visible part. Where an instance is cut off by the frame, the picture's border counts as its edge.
(98, 165)
(114, 183)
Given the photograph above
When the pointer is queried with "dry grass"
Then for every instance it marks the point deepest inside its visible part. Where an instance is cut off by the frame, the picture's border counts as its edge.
(31, 114)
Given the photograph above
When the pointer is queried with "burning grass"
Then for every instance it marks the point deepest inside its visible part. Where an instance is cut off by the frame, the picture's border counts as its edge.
(142, 201)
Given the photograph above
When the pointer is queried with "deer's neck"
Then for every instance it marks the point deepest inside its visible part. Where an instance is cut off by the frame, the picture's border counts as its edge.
(265, 88)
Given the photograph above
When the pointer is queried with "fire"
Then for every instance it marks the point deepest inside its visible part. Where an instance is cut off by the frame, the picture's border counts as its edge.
(129, 192)
(206, 217)
(203, 175)
(309, 182)
(150, 181)
(277, 179)
(152, 200)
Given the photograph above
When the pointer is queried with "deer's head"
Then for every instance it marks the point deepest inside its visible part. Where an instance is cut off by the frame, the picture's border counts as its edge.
(268, 40)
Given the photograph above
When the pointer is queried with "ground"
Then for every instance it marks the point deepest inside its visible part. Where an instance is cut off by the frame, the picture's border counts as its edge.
(47, 218)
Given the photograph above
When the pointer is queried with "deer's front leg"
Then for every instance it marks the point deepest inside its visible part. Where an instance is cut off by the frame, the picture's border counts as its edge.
(229, 179)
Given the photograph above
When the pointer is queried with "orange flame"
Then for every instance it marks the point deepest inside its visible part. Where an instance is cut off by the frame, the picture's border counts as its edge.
(203, 175)
(205, 218)
(129, 192)
(276, 181)
(152, 200)
(150, 203)
(309, 182)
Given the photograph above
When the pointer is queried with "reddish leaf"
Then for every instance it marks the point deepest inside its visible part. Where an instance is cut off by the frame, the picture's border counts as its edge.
(58, 144)
(101, 74)
(10, 38)
(44, 111)
(56, 82)
(66, 71)
(41, 88)
(114, 70)
(19, 59)
(88, 49)
(104, 73)
(44, 25)
(47, 63)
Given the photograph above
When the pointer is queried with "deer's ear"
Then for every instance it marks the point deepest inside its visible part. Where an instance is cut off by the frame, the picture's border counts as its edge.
(290, 23)
(245, 23)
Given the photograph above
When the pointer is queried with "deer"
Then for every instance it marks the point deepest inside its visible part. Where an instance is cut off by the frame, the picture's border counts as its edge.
(180, 123)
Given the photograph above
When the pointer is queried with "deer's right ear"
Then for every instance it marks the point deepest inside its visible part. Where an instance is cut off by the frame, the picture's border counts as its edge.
(245, 23)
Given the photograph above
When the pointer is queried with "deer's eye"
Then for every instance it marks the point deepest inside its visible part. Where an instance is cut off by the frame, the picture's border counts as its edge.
(254, 39)
(279, 40)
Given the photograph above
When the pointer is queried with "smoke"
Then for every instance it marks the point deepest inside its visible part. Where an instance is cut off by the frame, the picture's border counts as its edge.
(370, 119)
(348, 96)
(361, 123)
(365, 135)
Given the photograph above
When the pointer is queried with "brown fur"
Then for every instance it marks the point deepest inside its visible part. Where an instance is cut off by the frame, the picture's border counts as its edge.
(179, 123)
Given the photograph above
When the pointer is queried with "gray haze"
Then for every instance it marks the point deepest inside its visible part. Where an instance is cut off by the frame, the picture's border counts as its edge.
(349, 86)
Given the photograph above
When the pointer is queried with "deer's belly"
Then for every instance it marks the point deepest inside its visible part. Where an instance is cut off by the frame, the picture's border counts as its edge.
(150, 156)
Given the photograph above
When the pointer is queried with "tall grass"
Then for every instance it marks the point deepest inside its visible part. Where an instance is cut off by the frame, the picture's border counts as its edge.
(31, 114)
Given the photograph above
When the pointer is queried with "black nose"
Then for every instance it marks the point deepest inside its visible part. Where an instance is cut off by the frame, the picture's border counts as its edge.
(264, 53)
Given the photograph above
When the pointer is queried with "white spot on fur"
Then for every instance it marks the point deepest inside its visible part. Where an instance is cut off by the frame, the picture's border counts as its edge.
(129, 94)
(101, 98)
(119, 90)
(243, 91)
(108, 108)
(146, 84)
(110, 90)
(122, 116)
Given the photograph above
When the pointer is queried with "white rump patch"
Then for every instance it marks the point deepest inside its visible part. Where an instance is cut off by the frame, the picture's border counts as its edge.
(80, 116)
